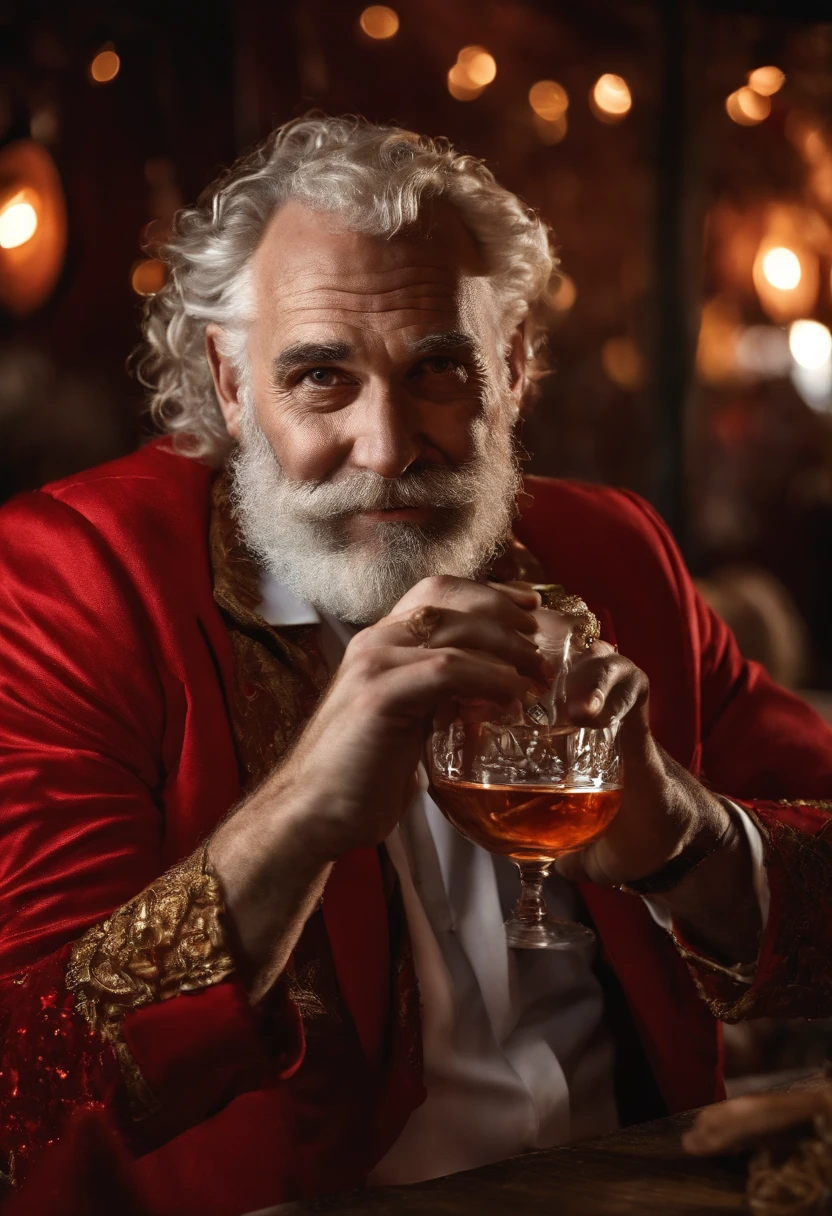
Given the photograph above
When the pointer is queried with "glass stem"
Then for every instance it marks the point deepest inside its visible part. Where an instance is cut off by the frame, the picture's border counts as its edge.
(531, 907)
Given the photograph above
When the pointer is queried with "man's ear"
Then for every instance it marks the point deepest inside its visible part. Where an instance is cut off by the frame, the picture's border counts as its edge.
(517, 379)
(225, 379)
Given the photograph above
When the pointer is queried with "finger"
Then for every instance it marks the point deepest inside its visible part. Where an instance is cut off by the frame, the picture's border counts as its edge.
(521, 593)
(465, 595)
(464, 631)
(417, 682)
(603, 687)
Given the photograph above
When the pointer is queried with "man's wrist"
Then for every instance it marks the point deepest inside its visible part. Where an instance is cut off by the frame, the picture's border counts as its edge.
(709, 839)
(715, 907)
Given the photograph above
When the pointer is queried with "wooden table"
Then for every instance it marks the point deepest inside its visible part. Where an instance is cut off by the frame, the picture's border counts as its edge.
(640, 1171)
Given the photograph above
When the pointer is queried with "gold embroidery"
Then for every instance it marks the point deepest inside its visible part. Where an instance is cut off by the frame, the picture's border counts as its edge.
(169, 939)
(301, 989)
(556, 597)
(9, 1176)
(801, 984)
(814, 802)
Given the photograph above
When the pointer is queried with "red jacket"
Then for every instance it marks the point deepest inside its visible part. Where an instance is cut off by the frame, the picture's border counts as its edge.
(117, 759)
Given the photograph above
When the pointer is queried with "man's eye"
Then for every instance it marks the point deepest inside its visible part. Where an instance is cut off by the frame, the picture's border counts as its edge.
(323, 376)
(441, 364)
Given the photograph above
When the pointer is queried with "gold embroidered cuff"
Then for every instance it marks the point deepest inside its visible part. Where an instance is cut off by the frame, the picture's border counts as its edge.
(166, 941)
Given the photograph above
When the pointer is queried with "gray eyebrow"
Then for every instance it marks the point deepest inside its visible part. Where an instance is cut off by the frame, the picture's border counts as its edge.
(304, 354)
(455, 340)
(308, 354)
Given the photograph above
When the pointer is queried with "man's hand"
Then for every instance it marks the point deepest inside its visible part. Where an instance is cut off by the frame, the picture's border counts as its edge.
(662, 809)
(362, 748)
(351, 774)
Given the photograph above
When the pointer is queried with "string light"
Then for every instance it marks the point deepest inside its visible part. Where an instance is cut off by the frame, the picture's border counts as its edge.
(781, 267)
(810, 344)
(105, 66)
(767, 80)
(747, 108)
(18, 222)
(380, 22)
(610, 98)
(549, 100)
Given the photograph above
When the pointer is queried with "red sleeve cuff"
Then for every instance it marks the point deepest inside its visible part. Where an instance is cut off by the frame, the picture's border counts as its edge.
(199, 1050)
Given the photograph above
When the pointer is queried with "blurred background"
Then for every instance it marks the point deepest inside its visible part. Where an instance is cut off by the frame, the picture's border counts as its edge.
(681, 151)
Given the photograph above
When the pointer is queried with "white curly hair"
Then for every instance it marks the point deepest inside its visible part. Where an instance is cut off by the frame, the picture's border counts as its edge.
(377, 178)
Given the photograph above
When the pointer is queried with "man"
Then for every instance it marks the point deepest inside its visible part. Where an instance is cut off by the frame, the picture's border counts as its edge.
(224, 888)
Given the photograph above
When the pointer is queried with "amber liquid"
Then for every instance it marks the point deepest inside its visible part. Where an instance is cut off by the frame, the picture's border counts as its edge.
(526, 822)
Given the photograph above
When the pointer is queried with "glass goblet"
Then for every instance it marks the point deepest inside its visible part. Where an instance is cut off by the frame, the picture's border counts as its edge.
(529, 791)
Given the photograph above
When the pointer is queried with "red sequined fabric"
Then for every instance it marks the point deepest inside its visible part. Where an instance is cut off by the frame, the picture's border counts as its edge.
(51, 1063)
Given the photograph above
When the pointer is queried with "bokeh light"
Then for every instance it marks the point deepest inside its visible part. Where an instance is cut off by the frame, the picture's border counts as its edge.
(610, 98)
(18, 222)
(148, 276)
(810, 344)
(622, 363)
(562, 293)
(549, 100)
(378, 21)
(105, 67)
(477, 66)
(747, 108)
(781, 268)
(459, 86)
(766, 80)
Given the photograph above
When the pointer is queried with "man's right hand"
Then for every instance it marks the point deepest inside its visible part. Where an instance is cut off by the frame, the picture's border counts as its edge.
(351, 774)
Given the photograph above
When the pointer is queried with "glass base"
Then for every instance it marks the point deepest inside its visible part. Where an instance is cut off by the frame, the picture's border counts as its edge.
(547, 934)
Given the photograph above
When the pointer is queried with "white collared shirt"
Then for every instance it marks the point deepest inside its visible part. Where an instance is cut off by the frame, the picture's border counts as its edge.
(517, 1054)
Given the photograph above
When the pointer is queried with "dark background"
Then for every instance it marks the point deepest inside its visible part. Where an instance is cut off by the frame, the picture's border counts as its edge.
(658, 217)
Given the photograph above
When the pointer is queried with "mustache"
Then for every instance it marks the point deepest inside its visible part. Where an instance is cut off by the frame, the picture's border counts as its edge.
(366, 490)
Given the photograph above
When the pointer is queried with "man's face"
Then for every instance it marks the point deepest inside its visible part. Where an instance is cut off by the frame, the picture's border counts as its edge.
(378, 384)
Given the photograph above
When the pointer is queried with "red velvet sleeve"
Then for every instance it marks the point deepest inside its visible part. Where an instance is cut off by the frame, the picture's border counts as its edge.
(767, 749)
(81, 793)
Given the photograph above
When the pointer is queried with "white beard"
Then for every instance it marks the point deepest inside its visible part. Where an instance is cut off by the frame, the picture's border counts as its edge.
(298, 530)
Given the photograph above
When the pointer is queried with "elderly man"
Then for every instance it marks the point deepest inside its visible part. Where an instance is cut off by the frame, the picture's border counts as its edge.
(232, 918)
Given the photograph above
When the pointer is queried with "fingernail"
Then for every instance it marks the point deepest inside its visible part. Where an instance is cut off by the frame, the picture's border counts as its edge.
(595, 703)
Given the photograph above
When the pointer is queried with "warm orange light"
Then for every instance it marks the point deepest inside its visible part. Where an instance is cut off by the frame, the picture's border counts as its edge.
(18, 222)
(478, 66)
(379, 21)
(781, 267)
(459, 85)
(767, 80)
(610, 98)
(563, 293)
(549, 100)
(786, 269)
(105, 67)
(747, 108)
(32, 227)
(623, 363)
(148, 276)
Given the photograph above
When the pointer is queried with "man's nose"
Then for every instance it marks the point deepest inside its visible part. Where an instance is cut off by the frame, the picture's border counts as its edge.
(388, 439)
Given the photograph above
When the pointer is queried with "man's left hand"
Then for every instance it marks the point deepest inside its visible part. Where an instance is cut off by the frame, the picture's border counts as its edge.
(663, 808)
